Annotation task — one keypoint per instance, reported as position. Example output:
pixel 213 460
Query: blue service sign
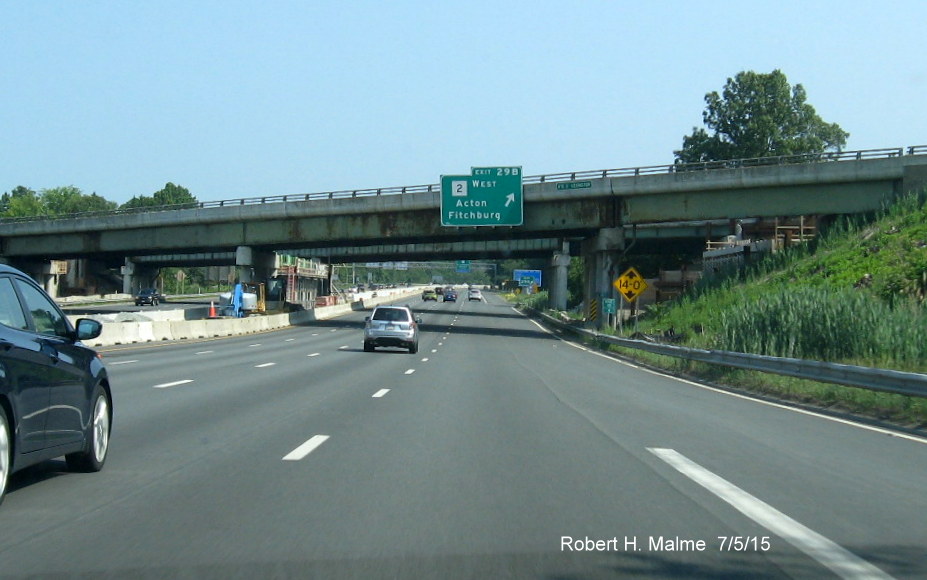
pixel 527 277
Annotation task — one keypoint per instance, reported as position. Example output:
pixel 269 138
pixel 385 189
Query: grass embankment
pixel 855 296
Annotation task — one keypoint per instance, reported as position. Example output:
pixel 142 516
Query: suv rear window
pixel 391 315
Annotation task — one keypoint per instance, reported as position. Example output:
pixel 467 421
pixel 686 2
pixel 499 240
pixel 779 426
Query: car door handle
pixel 51 352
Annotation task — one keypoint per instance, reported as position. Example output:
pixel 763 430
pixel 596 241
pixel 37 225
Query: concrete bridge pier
pixel 560 265
pixel 253 265
pixel 602 254
pixel 44 274
pixel 136 276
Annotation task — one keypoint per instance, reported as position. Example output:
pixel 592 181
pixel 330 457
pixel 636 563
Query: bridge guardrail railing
pixel 885 153
pixel 873 379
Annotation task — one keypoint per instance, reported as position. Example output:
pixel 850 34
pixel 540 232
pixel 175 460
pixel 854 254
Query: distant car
pixel 474 294
pixel 430 294
pixel 148 296
pixel 55 397
pixel 439 290
pixel 391 326
pixel 450 295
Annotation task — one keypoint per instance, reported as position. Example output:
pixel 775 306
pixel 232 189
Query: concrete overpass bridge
pixel 598 213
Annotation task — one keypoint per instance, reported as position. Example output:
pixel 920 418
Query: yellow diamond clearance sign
pixel 630 284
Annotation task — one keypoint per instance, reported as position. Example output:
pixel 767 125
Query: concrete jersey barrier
pixel 137 332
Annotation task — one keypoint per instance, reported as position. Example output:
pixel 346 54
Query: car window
pixel 11 312
pixel 46 317
pixel 391 315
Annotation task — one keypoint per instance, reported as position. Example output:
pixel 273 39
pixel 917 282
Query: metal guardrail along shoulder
pixel 547 178
pixel 889 381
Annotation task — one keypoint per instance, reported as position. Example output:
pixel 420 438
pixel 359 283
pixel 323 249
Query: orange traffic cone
pixel 212 309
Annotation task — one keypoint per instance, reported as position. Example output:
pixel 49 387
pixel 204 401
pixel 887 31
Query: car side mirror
pixel 366 319
pixel 88 328
pixel 418 319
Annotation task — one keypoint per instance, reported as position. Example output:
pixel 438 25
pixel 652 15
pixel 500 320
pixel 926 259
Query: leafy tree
pixel 576 281
pixel 170 194
pixel 759 115
pixel 21 202
pixel 69 200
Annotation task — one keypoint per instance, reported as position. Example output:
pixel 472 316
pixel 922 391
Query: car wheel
pixel 368 347
pixel 414 348
pixel 5 449
pixel 94 456
pixel 154 302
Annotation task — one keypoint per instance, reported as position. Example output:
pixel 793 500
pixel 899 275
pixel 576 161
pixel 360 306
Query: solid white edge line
pixel 306 448
pixel 830 554
pixel 873 428
pixel 380 393
pixel 173 384
pixel 120 362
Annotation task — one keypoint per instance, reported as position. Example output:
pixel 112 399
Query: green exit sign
pixel 489 196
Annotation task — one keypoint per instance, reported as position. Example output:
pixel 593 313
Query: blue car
pixel 55 397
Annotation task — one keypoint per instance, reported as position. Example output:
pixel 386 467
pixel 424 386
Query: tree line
pixel 68 200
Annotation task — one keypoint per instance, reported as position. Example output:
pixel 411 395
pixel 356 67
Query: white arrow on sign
pixel 510 198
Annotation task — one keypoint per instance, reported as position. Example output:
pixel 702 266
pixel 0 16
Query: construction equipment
pixel 259 290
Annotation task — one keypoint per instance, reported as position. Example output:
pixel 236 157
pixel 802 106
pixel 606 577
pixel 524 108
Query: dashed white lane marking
pixel 289 340
pixel 830 554
pixel 380 393
pixel 343 347
pixel 205 352
pixel 306 448
pixel 173 384
pixel 264 365
pixel 410 371
pixel 314 354
pixel 425 359
pixel 434 350
pixel 253 345
pixel 121 362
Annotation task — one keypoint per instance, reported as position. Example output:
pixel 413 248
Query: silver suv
pixel 391 326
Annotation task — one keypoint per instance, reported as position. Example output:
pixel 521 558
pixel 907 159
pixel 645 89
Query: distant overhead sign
pixel 489 196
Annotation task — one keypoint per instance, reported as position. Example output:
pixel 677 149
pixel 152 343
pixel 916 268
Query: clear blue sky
pixel 236 99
